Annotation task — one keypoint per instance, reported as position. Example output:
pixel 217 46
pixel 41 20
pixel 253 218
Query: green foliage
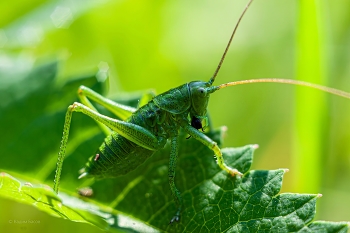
pixel 160 45
pixel 214 201
pixel 141 200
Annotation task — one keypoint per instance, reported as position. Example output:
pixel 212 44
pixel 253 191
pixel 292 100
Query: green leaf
pixel 63 206
pixel 141 200
pixel 213 200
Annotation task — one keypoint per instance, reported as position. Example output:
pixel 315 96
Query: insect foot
pixel 176 218
pixel 221 163
pixel 233 172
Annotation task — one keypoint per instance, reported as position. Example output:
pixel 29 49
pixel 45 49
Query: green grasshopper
pixel 144 130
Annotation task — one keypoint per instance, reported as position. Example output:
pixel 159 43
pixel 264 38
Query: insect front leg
pixel 211 145
pixel 171 174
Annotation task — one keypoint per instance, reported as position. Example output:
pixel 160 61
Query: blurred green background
pixel 163 44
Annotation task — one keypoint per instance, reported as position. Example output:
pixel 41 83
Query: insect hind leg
pixel 62 151
pixel 132 132
pixel 171 174
pixel 120 110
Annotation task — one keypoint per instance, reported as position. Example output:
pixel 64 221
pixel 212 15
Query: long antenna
pixel 212 79
pixel 285 81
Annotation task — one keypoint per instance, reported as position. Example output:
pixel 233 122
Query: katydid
pixel 144 130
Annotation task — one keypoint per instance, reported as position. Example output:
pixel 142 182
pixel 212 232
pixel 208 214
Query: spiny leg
pixel 171 174
pixel 63 146
pixel 84 93
pixel 120 110
pixel 134 133
pixel 213 146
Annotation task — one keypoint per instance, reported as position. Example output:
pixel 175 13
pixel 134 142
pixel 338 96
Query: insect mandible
pixel 144 130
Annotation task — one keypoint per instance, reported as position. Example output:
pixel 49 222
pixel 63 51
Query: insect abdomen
pixel 116 156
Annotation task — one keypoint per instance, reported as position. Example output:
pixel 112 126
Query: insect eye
pixel 202 91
